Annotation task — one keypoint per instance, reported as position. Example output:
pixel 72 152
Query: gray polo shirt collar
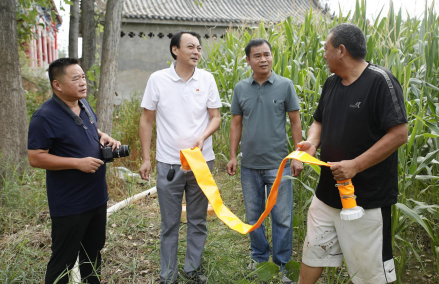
pixel 175 76
pixel 270 79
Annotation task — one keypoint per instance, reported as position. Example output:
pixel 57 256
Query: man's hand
pixel 343 170
pixel 89 164
pixel 231 166
pixel 145 169
pixel 106 140
pixel 214 124
pixel 296 168
pixel 199 142
pixel 307 147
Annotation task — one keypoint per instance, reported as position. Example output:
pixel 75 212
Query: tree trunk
pixel 74 29
pixel 13 117
pixel 88 39
pixel 110 53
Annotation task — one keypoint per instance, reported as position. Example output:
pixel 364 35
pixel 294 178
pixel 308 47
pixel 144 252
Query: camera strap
pixel 83 104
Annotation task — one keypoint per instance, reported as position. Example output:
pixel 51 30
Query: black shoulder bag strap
pixel 76 118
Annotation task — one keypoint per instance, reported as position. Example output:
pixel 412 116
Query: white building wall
pixel 142 54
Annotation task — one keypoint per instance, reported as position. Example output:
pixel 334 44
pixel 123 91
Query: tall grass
pixel 408 48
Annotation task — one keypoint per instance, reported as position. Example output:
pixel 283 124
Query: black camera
pixel 109 155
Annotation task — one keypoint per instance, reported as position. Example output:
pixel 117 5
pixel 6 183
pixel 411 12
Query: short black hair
pixel 58 67
pixel 255 42
pixel 352 37
pixel 175 40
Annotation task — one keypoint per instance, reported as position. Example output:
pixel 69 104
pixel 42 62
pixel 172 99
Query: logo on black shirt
pixel 356 105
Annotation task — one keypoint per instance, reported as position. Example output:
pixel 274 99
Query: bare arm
pixel 296 127
pixel 214 124
pixel 313 141
pixel 145 133
pixel 296 134
pixel 235 137
pixel 383 148
pixel 42 159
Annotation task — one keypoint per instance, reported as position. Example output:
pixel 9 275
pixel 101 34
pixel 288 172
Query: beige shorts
pixel 365 243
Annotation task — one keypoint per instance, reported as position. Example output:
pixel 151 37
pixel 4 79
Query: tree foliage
pixel 28 12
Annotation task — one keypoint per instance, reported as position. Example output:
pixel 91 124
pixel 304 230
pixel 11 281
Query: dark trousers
pixel 82 234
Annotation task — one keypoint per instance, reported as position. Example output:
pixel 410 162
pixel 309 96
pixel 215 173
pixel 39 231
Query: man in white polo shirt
pixel 185 102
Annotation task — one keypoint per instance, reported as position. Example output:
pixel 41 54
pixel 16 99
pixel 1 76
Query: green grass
pixel 132 250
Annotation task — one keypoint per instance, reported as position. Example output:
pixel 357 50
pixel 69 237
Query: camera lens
pixel 123 151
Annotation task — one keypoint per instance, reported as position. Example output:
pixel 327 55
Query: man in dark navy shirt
pixel 64 140
pixel 359 125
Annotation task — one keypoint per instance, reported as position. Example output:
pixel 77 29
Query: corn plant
pixel 409 49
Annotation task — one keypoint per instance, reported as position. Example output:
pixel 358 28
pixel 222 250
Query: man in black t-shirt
pixel 359 124
pixel 64 140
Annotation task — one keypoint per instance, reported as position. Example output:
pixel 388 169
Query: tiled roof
pixel 217 11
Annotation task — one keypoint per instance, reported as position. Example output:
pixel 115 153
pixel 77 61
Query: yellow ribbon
pixel 192 159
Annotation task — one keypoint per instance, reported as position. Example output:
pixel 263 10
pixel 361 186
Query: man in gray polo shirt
pixel 260 104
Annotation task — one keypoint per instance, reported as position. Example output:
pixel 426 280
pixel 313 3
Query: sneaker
pixel 252 265
pixel 286 280
pixel 196 277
